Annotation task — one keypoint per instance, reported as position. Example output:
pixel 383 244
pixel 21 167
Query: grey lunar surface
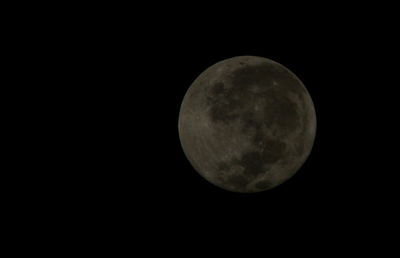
pixel 247 124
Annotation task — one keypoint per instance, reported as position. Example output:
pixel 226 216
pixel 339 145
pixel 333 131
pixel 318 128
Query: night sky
pixel 121 86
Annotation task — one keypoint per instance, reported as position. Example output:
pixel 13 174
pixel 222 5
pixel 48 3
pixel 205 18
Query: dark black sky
pixel 124 76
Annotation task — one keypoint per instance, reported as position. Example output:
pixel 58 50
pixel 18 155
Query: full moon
pixel 247 124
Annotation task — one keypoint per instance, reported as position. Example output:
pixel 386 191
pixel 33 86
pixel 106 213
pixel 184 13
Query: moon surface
pixel 247 124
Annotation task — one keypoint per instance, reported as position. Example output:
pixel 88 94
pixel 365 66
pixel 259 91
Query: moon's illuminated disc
pixel 247 124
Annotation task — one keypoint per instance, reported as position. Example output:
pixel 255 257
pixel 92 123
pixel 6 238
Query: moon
pixel 247 124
